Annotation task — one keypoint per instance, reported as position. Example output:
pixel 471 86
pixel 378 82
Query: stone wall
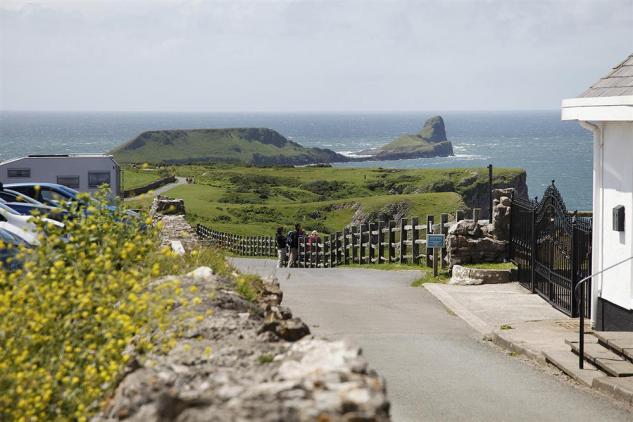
pixel 237 360
pixel 473 242
pixel 150 186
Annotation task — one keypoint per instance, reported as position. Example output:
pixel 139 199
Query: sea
pixel 537 141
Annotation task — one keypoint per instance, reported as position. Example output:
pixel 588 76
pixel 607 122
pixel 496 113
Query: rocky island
pixel 429 142
pixel 266 147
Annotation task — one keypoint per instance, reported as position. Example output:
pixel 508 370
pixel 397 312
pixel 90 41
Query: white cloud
pixel 306 55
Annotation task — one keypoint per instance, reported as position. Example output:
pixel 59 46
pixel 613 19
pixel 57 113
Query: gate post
pixel 429 229
pixel 444 231
pixel 415 247
pixel 511 228
pixel 533 247
pixel 574 268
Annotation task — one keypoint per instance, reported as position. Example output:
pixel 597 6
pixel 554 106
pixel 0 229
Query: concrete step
pixel 567 362
pixel 603 358
pixel 621 342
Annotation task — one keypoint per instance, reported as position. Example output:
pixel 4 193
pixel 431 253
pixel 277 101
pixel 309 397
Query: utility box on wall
pixel 618 218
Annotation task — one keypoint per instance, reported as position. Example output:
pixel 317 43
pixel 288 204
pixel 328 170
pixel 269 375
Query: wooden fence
pixel 379 242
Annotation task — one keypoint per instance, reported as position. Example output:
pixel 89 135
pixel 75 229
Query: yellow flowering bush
pixel 80 306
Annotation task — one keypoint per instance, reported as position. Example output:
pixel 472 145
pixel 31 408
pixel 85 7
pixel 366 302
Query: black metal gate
pixel 552 249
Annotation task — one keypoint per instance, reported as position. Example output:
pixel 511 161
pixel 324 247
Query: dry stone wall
pixel 474 242
pixel 238 360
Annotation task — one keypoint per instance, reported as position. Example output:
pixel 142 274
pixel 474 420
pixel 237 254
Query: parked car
pixel 9 248
pixel 28 206
pixel 28 229
pixel 55 195
pixel 49 194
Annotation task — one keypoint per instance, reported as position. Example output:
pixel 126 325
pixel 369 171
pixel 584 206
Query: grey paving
pixel 436 366
pixel 179 181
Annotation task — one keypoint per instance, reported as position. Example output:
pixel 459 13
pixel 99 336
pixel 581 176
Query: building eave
pixel 618 108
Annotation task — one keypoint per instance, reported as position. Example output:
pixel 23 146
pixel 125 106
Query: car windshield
pixel 71 193
pixel 9 210
pixel 20 197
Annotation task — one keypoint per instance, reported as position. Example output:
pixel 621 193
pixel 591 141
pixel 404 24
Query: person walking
pixel 281 247
pixel 293 243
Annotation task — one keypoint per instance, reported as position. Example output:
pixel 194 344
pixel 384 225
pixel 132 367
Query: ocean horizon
pixel 537 141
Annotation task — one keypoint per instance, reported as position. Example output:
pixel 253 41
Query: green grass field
pixel 134 178
pixel 255 200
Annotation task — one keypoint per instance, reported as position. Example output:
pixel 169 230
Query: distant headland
pixel 264 147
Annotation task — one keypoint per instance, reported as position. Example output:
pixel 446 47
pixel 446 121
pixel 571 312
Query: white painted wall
pixel 47 169
pixel 613 185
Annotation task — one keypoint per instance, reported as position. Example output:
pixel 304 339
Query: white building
pixel 607 110
pixel 82 172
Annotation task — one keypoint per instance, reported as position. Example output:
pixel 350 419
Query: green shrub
pixel 71 317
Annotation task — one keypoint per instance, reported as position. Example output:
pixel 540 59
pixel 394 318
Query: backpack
pixel 291 239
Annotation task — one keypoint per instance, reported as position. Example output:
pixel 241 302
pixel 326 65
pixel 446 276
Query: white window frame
pixel 92 173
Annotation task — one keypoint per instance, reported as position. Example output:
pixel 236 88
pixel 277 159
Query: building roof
pixel 619 82
pixel 48 156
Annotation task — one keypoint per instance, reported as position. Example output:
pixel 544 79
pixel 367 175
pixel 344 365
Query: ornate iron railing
pixel 552 249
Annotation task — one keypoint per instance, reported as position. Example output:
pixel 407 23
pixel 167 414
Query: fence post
pixel 429 230
pixel 327 251
pixel 352 246
pixel 361 251
pixel 444 231
pixel 476 214
pixel 345 244
pixel 304 253
pixel 391 239
pixel 459 215
pixel 403 236
pixel 317 250
pixel 370 243
pixel 338 254
pixel 381 243
pixel 415 247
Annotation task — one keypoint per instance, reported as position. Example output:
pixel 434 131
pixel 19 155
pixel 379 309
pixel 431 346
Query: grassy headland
pixel 257 146
pixel 254 200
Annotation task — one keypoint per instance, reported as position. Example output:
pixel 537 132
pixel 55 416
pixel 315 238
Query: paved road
pixel 179 181
pixel 437 369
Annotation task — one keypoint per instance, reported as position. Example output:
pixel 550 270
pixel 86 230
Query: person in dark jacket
pixel 280 239
pixel 293 244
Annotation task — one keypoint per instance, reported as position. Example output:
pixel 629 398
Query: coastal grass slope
pixel 253 201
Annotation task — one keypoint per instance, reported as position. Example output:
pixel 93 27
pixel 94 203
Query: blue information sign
pixel 435 240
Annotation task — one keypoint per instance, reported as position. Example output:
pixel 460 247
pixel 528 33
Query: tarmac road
pixel 437 368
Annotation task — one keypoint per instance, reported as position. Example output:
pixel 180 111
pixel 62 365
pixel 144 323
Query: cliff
pixel 256 146
pixel 474 189
pixel 431 141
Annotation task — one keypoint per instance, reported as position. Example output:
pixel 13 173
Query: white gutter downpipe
pixel 598 136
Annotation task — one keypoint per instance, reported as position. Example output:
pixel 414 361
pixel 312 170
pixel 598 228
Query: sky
pixel 306 56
